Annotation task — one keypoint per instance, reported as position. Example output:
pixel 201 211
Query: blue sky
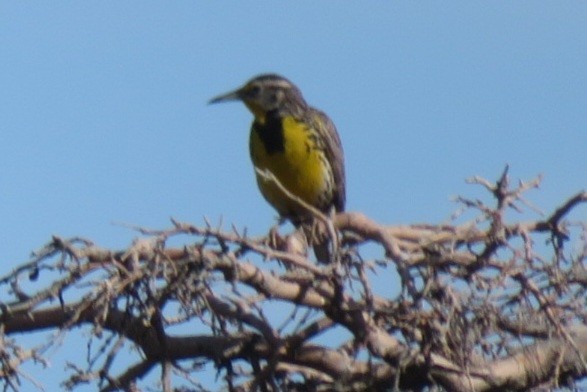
pixel 103 111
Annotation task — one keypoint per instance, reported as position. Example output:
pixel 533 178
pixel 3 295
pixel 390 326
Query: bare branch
pixel 481 306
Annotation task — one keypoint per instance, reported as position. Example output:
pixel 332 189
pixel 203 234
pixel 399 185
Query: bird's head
pixel 265 93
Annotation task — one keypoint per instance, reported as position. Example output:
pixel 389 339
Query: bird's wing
pixel 334 155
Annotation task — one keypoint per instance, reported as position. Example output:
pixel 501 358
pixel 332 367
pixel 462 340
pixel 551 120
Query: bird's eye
pixel 253 91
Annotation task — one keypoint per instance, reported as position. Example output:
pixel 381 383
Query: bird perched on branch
pixel 294 147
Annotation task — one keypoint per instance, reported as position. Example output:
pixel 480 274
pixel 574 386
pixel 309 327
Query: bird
pixel 297 144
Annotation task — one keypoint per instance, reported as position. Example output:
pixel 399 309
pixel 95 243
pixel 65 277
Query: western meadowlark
pixel 296 143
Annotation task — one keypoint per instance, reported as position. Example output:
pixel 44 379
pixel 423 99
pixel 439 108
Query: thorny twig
pixel 470 296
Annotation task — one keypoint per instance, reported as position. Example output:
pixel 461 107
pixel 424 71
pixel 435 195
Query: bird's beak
pixel 231 96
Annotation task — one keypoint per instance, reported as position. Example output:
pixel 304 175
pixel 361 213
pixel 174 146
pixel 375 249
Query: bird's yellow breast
pixel 294 160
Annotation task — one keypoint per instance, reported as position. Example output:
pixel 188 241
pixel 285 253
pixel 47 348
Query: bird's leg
pixel 274 240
